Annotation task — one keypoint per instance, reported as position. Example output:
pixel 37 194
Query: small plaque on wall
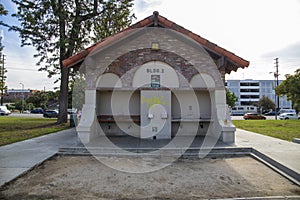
pixel 155 81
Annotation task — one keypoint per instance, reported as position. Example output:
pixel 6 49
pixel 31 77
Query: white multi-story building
pixel 251 91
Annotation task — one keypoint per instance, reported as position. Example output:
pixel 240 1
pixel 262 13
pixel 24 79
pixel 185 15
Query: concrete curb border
pixel 264 198
pixel 221 152
pixel 276 166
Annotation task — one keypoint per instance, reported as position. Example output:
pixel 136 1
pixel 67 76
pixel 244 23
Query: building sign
pixel 155 70
pixel 155 81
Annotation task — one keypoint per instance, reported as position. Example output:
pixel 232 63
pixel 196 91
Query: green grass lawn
pixel 14 129
pixel 282 129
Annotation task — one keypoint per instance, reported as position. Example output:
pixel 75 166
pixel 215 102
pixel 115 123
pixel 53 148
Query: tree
pixel 2 69
pixel 231 98
pixel 2 12
pixel 59 28
pixel 43 99
pixel 3 88
pixel 266 104
pixel 291 88
pixel 38 99
pixel 18 105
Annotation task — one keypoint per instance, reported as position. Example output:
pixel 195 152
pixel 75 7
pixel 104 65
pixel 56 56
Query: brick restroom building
pixel 155 80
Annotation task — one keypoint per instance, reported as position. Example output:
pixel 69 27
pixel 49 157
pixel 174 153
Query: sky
pixel 257 30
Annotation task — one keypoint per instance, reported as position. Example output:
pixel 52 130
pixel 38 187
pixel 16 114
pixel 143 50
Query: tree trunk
pixel 63 96
pixel 64 71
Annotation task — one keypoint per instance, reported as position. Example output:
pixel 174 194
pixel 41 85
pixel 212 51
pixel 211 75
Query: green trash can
pixel 73 120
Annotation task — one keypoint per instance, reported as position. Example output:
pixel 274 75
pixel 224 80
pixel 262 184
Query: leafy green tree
pixel 2 12
pixel 3 87
pixel 38 99
pixel 291 88
pixel 2 69
pixel 59 28
pixel 11 107
pixel 231 98
pixel 52 96
pixel 41 99
pixel 266 104
pixel 28 106
pixel 18 105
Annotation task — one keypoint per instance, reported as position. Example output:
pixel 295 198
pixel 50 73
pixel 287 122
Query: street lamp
pixel 22 97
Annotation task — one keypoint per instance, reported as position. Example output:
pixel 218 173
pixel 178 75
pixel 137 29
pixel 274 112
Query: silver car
pixel 288 116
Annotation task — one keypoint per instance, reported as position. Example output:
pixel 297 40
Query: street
pixel 241 117
pixel 25 115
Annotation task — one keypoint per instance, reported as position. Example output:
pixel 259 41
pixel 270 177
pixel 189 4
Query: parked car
pixel 281 111
pixel 37 111
pixel 253 116
pixel 288 116
pixel 4 110
pixel 50 113
pixel 271 113
pixel 72 110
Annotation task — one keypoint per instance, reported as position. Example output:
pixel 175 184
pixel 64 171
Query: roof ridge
pixel 156 20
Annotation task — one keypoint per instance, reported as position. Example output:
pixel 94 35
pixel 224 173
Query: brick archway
pixel 139 57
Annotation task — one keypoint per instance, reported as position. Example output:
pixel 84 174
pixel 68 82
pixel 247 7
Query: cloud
pixel 261 66
pixel 289 58
pixel 146 5
pixel 291 51
pixel 141 5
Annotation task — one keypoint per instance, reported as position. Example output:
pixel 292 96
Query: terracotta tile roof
pixel 235 61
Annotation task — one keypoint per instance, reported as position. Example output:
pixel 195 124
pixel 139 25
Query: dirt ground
pixel 84 177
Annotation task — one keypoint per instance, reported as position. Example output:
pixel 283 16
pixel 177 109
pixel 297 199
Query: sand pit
pixel 84 177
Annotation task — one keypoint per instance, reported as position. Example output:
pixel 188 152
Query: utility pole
pixel 276 74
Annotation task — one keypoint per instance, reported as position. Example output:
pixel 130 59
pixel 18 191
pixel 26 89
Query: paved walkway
pixel 284 152
pixel 19 157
